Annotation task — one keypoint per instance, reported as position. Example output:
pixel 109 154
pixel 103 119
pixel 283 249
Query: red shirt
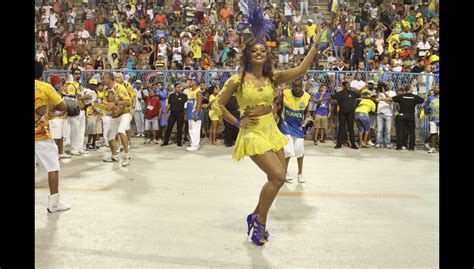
pixel 209 46
pixel 160 19
pixel 348 42
pixel 142 24
pixel 152 106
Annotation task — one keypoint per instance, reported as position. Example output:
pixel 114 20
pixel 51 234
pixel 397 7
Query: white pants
pixel 139 119
pixel 194 132
pixel 284 58
pixel 295 147
pixel 57 128
pixel 46 154
pixel 67 131
pixel 118 125
pixel 78 131
pixel 105 128
pixel 434 129
pixel 304 6
pixel 299 51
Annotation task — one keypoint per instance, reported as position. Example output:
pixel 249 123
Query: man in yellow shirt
pixel 310 30
pixel 119 79
pixel 117 101
pixel 362 117
pixel 46 151
pixel 77 120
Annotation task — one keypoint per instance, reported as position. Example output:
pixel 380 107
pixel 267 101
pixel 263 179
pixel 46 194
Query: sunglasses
pixel 77 73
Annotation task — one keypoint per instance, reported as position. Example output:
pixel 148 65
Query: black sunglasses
pixel 77 73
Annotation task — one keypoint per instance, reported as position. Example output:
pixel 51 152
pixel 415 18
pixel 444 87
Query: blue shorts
pixel 363 122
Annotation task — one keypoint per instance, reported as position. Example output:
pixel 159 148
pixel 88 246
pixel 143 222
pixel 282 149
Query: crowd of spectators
pixel 398 36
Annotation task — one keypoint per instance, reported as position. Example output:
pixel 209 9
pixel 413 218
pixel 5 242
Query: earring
pixel 249 68
pixel 266 68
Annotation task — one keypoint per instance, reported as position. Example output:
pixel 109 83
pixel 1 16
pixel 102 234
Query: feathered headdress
pixel 258 25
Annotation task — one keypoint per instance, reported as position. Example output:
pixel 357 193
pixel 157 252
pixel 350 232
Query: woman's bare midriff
pixel 259 110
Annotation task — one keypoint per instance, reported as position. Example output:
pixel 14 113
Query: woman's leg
pixel 273 165
pixel 214 126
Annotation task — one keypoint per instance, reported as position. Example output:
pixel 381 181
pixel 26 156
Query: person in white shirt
pixel 71 20
pixel 384 116
pixel 357 83
pixel 53 19
pixel 423 46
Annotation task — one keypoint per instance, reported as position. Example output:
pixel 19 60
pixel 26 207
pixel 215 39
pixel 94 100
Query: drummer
pixel 93 117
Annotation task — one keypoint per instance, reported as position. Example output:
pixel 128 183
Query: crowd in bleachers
pixel 398 36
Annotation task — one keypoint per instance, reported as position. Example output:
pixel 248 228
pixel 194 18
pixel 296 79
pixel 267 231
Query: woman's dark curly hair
pixel 245 60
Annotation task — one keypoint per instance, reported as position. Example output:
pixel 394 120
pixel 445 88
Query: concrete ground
pixel 176 209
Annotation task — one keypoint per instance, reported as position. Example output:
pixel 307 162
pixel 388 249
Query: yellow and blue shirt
pixel 191 104
pixel 292 113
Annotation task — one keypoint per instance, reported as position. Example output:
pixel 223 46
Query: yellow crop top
pixel 249 95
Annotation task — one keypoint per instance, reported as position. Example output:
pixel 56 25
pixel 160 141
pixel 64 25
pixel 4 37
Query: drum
pixel 91 93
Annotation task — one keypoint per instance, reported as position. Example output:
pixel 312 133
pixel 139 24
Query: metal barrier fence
pixel 421 83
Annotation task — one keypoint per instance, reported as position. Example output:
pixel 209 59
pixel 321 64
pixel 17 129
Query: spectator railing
pixel 421 83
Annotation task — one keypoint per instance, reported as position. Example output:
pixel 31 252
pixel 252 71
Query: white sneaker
pixel 287 178
pixel 75 153
pixel 370 143
pixel 389 146
pixel 81 151
pixel 300 178
pixel 427 146
pixel 111 159
pixel 432 150
pixel 147 141
pixel 377 146
pixel 404 148
pixel 64 156
pixel 54 205
pixel 192 148
pixel 156 141
pixel 126 159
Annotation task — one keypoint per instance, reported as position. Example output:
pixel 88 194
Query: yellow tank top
pixel 250 96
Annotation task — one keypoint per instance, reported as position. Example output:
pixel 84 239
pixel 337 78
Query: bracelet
pixel 316 46
pixel 237 123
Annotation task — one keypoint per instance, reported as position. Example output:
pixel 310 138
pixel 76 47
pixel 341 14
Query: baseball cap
pixel 371 81
pixel 138 81
pixel 93 82
pixel 310 20
pixel 418 15
pixel 55 80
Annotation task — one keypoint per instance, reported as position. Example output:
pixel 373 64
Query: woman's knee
pixel 278 178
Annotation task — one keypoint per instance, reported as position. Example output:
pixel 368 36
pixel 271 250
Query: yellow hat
pixel 93 82
pixel 418 15
pixel 434 58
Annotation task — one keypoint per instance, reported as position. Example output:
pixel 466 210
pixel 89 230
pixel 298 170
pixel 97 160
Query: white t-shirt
pixel 357 84
pixel 287 9
pixel 84 34
pixel 386 108
pixel 52 20
pixel 422 47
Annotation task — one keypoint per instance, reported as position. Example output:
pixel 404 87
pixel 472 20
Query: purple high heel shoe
pixel 258 231
pixel 250 219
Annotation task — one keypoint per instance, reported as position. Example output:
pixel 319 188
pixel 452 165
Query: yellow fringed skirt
pixel 260 138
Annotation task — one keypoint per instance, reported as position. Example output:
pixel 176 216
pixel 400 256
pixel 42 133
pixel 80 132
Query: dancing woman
pixel 259 136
